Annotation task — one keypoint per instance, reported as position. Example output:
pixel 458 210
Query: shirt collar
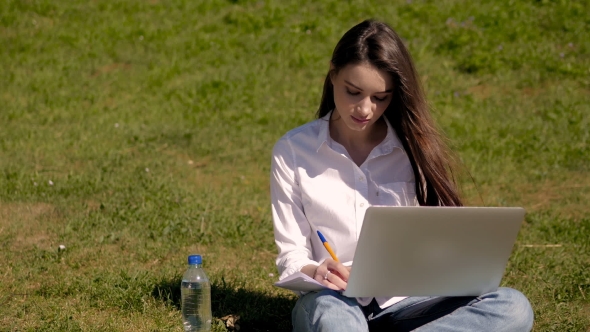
pixel 390 142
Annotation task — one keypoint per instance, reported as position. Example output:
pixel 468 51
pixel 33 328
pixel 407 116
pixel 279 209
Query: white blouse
pixel 315 185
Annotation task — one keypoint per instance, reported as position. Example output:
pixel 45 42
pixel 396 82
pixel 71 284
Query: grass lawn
pixel 137 132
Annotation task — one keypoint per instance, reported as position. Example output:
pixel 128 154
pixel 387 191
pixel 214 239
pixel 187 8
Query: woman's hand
pixel 330 273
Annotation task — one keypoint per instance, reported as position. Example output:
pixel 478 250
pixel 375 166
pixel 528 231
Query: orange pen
pixel 327 245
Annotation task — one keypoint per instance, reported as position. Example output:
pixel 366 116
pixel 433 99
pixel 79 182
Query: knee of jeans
pixel 328 298
pixel 322 307
pixel 518 308
pixel 312 301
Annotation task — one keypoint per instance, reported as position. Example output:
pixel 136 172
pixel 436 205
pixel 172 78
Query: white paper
pixel 300 281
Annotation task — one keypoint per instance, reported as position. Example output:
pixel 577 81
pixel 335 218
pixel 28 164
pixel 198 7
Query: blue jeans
pixel 503 310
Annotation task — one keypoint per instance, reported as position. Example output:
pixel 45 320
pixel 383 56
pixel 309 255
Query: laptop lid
pixel 433 251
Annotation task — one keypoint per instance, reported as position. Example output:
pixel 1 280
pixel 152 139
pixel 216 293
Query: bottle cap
pixel 194 259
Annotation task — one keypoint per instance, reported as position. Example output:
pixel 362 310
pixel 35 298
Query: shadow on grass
pixel 258 311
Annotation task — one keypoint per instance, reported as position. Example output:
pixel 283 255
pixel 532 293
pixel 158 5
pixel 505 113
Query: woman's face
pixel 361 94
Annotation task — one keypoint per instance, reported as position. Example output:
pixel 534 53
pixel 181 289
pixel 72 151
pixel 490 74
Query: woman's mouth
pixel 359 121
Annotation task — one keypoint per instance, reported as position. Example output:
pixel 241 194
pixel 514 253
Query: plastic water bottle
pixel 195 291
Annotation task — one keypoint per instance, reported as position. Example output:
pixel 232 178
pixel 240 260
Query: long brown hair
pixel 376 43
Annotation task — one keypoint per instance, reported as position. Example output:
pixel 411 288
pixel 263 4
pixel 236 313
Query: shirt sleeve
pixel 291 227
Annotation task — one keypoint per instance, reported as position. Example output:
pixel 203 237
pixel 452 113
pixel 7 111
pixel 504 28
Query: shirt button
pixel 362 204
pixel 361 179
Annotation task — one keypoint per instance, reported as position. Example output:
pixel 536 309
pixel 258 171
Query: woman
pixel 374 143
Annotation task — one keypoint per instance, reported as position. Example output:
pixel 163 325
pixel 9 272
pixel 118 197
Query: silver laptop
pixel 433 251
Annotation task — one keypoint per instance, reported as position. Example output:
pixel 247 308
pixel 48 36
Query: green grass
pixel 154 122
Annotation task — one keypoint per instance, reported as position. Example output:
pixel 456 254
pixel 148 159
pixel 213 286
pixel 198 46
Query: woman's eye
pixel 381 99
pixel 352 93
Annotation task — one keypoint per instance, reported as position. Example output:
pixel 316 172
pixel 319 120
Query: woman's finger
pixel 335 280
pixel 332 274
pixel 337 268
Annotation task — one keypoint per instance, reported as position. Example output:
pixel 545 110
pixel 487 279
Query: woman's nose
pixel 366 106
